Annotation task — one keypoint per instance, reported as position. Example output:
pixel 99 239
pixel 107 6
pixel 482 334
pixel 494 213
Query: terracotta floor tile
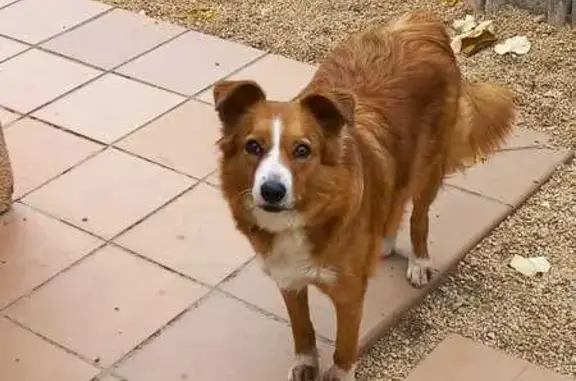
pixel 255 287
pixel 34 248
pixel 108 108
pixel 27 21
pixel 34 162
pixel 194 235
pixel 388 294
pixel 7 117
pixel 9 47
pixel 106 305
pixel 295 75
pixel 21 90
pixel 184 139
pixel 536 373
pixel 510 176
pixel 458 358
pixel 113 39
pixel 26 357
pixel 109 192
pixel 255 347
pixel 170 65
pixel 524 138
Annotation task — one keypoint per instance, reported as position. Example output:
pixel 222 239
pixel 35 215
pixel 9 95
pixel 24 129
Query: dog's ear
pixel 332 110
pixel 234 98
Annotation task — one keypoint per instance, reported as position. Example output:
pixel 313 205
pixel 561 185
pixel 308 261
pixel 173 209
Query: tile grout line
pixel 74 27
pixel 102 74
pixel 105 241
pixel 144 342
pixel 159 264
pixel 210 290
pixel 92 362
pixel 187 98
pixel 51 179
pixel 527 148
pixel 105 72
pixel 38 46
pixel 478 194
pixel 63 270
pixel 27 49
pixel 197 304
pixel 536 184
pixel 9 4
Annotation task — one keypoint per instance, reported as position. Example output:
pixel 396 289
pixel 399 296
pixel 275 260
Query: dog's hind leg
pixel 419 270
pixel 393 223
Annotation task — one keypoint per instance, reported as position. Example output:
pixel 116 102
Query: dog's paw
pixel 419 272
pixel 336 373
pixel 304 368
pixel 388 246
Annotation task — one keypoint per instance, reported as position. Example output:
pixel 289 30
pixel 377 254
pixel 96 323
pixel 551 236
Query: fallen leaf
pixel 464 25
pixel 530 266
pixel 472 45
pixel 451 2
pixel 471 36
pixel 518 45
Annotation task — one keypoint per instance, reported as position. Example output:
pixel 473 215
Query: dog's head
pixel 277 156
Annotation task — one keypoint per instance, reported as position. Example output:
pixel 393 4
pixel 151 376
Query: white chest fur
pixel 290 263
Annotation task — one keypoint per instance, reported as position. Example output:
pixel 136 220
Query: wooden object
pixel 6 176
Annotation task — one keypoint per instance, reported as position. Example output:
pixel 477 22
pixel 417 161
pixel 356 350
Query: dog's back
pixel 412 100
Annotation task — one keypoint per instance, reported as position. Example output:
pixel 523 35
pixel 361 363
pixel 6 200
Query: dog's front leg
pixel 348 305
pixel 305 366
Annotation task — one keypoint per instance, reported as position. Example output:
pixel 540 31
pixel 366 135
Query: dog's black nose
pixel 273 191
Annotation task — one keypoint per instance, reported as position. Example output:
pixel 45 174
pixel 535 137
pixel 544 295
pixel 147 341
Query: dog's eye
pixel 302 151
pixel 253 148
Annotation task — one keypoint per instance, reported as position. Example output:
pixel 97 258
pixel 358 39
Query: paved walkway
pixel 461 359
pixel 119 259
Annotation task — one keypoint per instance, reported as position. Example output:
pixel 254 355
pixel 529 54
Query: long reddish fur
pixel 415 120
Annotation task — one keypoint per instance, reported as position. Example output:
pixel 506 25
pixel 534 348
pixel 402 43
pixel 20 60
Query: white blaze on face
pixel 272 168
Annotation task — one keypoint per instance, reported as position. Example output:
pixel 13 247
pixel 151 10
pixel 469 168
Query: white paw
pixel 335 373
pixel 304 368
pixel 388 245
pixel 419 272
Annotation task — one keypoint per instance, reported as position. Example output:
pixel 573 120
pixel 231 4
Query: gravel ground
pixel 484 299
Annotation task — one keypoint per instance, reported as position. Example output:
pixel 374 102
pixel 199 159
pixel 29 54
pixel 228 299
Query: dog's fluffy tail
pixel 485 118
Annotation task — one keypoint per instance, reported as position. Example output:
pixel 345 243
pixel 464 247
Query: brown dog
pixel 319 184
